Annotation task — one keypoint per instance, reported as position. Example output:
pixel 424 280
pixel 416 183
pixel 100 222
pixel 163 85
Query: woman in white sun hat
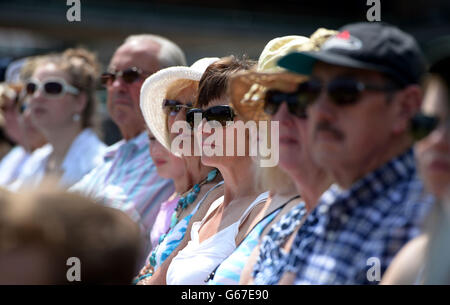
pixel 165 97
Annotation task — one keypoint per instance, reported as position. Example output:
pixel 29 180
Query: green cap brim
pixel 298 62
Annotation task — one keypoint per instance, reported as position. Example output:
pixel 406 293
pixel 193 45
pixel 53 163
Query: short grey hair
pixel 170 53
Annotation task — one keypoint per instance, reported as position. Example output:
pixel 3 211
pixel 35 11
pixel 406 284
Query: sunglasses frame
pixel 65 87
pixel 106 77
pixel 208 116
pixel 359 87
pixel 295 108
pixel 175 107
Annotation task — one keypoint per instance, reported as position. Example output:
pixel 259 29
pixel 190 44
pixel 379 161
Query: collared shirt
pixel 11 165
pixel 352 235
pixel 84 154
pixel 128 180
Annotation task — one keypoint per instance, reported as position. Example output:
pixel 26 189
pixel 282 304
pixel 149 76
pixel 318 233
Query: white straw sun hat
pixel 154 90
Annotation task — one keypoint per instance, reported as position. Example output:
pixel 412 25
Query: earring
pixel 76 117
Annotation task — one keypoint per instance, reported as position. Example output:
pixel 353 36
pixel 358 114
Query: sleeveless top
pixel 230 270
pixel 176 235
pixel 195 262
pixel 272 258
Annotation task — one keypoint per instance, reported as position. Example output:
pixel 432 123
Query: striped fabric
pixel 229 271
pixel 128 180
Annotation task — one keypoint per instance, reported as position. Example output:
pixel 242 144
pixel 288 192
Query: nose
pixel 322 108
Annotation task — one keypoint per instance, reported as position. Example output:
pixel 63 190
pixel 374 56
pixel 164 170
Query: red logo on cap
pixel 344 35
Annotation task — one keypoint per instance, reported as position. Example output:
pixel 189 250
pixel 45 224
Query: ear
pixel 406 104
pixel 80 102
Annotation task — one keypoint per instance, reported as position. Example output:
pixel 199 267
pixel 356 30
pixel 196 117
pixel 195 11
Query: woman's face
pixel 49 112
pixel 433 152
pixel 185 97
pixel 167 164
pixel 222 145
pixel 294 151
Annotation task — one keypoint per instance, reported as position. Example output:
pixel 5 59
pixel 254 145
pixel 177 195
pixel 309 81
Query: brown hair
pixel 83 69
pixel 214 82
pixel 62 225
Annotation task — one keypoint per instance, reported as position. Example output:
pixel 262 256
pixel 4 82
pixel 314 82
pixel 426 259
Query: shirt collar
pixel 139 142
pixel 378 182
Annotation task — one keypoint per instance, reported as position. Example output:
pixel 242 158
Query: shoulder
pixel 407 264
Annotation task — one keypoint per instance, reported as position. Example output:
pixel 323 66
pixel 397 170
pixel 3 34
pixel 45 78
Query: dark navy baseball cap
pixel 375 46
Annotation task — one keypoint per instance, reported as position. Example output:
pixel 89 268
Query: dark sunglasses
pixel 422 125
pixel 274 98
pixel 220 113
pixel 129 75
pixel 341 91
pixel 172 107
pixel 52 87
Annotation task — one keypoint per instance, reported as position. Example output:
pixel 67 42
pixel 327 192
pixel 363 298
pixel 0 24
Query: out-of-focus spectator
pixel 40 231
pixel 30 137
pixel 363 90
pixel 60 95
pixel 424 260
pixel 128 179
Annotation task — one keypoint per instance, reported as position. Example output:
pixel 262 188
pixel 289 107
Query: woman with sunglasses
pixel 214 236
pixel 165 97
pixel 270 94
pixel 62 102
pixel 424 260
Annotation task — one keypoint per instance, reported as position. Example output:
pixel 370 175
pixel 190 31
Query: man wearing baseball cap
pixel 362 92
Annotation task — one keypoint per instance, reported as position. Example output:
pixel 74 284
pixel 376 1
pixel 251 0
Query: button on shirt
pixel 352 235
pixel 128 180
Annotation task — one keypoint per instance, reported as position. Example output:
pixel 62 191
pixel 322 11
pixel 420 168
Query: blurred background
pixel 201 27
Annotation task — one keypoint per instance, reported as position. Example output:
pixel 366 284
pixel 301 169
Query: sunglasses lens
pixel 272 101
pixel 53 88
pixel 31 88
pixel 344 92
pixel 130 75
pixel 422 125
pixel 221 114
pixel 190 116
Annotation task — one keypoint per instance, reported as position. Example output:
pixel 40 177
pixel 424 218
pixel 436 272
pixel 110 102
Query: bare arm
pixel 407 264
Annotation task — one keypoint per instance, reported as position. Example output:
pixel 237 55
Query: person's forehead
pixel 216 102
pixel 327 71
pixel 140 54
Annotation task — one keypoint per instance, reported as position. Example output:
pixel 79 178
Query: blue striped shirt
pixel 128 180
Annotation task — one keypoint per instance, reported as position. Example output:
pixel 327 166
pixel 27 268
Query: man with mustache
pixel 363 90
pixel 128 179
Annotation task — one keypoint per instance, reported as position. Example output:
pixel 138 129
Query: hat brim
pixel 153 92
pixel 303 62
pixel 247 91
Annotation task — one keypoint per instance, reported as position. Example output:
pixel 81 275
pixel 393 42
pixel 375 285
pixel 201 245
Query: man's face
pixel 353 134
pixel 123 98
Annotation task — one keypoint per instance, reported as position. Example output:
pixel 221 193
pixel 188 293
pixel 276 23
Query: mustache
pixel 326 126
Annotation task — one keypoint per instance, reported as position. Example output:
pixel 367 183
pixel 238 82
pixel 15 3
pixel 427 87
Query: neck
pixel 312 185
pixel 346 175
pixel 61 139
pixel 236 178
pixel 129 132
pixel 195 173
pixel 35 144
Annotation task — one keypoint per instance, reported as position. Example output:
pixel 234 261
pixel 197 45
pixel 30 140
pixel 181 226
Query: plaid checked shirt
pixel 372 219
